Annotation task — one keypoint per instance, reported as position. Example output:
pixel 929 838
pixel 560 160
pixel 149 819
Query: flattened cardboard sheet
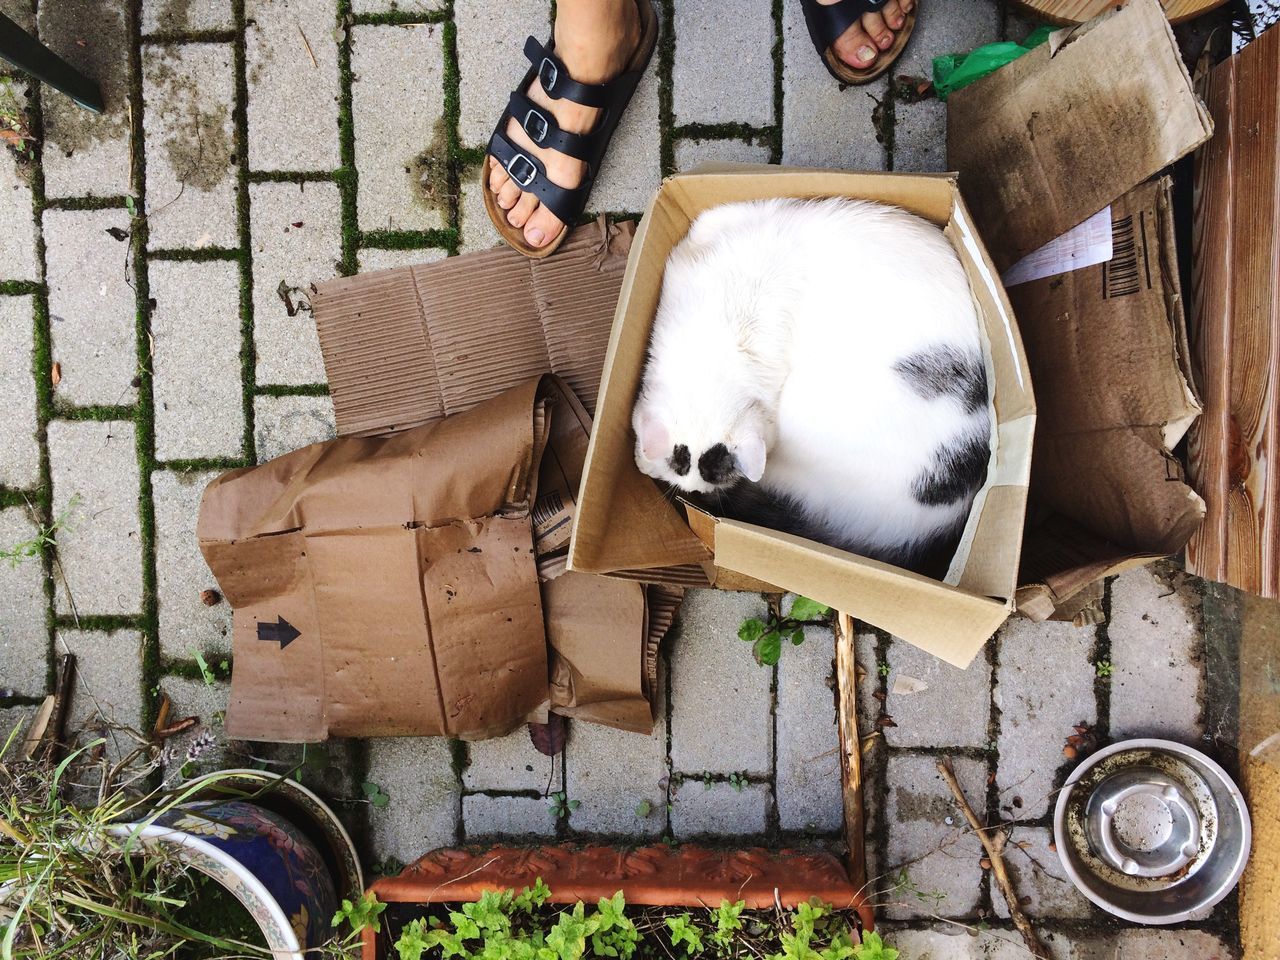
pixel 1050 139
pixel 1108 352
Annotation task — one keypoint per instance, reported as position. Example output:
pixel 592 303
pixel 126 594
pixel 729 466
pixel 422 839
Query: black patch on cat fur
pixel 958 469
pixel 679 460
pixel 717 465
pixel 944 372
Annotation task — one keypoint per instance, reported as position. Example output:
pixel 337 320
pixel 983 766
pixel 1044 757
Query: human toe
pixel 877 30
pixel 855 48
pixel 497 175
pixel 542 227
pixel 508 196
pixel 518 215
pixel 894 14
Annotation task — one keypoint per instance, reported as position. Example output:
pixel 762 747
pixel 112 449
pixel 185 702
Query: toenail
pixel 896 22
pixel 536 237
pixel 865 53
pixel 885 39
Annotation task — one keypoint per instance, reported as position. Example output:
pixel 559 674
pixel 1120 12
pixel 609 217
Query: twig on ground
pixel 993 842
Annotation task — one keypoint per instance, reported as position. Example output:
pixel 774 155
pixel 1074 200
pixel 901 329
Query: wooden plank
pixel 850 752
pixel 1209 440
pixel 1067 12
pixel 1253 347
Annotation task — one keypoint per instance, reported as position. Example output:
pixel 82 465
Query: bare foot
pixel 861 44
pixel 595 39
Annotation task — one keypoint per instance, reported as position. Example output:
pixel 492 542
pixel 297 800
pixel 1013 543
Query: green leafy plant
pixel 873 947
pixel 766 636
pixel 374 794
pixel 1103 668
pixel 561 806
pixel 44 537
pixel 738 781
pixel 683 932
pixel 206 671
pixel 728 921
pixel 15 131
pixel 643 809
pixel 362 914
pixel 883 669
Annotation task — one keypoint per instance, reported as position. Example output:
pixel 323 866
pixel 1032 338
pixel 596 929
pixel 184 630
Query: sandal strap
pixel 554 77
pixel 828 21
pixel 528 173
pixel 541 127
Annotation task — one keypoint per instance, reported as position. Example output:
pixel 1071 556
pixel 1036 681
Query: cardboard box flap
pixel 412 345
pixel 903 603
pixel 1107 345
pixel 1050 139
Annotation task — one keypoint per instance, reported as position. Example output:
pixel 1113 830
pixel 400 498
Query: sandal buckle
pixel 548 74
pixel 536 126
pixel 527 172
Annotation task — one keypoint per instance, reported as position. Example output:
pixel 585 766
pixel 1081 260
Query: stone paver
pixel 1161 944
pixel 422 813
pixel 24 642
pixel 720 709
pixel 723 69
pixel 690 153
pixel 108 679
pixel 18 238
pixel 19 449
pixel 510 763
pixel 187 624
pixel 208 703
pixel 476 229
pixel 719 809
pixel 95 488
pixel 188 93
pixel 808 766
pixel 613 772
pixel 195 334
pixel 941 858
pixel 484 816
pixel 181 16
pixel 87 154
pixel 632 169
pixel 952 711
pixel 296 242
pixel 281 424
pixel 489 63
pixel 92 307
pixel 398 6
pixel 1156 656
pixel 398 100
pixel 822 125
pixel 1037 874
pixel 920 129
pixel 293 84
pixel 372 259
pixel 1039 708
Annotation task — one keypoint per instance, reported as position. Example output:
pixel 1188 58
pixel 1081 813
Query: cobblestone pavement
pixel 251 147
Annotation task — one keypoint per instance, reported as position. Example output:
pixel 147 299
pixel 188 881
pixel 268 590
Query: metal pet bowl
pixel 1152 831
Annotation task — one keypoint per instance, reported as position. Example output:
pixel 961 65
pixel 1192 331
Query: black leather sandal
pixel 525 170
pixel 827 22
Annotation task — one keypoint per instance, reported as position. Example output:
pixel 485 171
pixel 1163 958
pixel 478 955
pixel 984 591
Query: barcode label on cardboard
pixel 1125 273
pixel 552 520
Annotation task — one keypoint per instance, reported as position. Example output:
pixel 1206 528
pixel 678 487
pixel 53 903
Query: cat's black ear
pixel 749 453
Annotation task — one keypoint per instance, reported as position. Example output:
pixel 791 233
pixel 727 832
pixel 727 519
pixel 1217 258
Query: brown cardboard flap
pixel 1053 137
pixel 405 565
pixel 409 346
pixel 1107 348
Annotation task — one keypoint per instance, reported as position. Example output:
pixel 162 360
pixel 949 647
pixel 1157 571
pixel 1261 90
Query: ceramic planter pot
pixel 659 875
pixel 273 845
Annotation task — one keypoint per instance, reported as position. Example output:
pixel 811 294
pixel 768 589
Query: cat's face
pixel 697 452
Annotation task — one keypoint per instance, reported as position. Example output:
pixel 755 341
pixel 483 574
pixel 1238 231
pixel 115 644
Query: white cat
pixel 815 366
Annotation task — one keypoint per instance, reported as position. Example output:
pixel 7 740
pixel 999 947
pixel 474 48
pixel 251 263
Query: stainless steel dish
pixel 1152 831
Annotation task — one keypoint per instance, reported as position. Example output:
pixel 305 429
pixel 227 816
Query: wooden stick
pixel 994 845
pixel 850 750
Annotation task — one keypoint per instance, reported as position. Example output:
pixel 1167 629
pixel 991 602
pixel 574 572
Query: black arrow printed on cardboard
pixel 281 631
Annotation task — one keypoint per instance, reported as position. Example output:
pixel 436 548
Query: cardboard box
pixel 625 526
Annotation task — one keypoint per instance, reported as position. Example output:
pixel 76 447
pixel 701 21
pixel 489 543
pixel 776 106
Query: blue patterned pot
pixel 267 862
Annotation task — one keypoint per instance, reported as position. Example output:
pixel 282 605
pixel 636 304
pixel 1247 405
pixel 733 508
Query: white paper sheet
pixel 1081 246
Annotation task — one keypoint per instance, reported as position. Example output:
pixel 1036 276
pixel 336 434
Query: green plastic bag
pixel 955 70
